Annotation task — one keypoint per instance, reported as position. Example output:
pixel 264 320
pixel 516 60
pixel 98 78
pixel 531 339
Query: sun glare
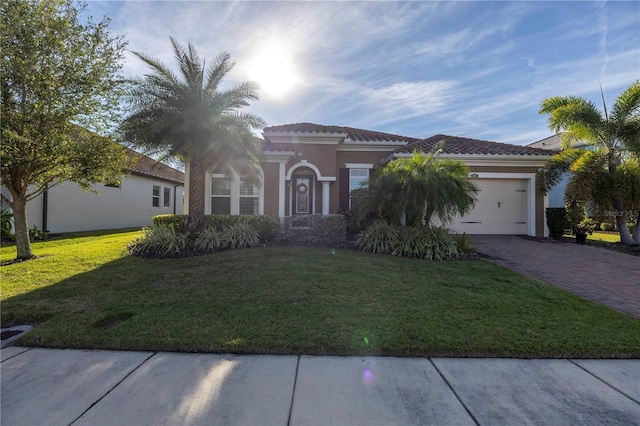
pixel 275 72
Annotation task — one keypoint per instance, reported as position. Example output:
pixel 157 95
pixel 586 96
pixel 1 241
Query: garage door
pixel 501 208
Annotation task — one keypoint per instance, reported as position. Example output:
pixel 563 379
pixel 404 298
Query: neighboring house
pixel 554 144
pixel 149 189
pixel 308 168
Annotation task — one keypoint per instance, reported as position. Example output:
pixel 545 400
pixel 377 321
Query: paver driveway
pixel 598 274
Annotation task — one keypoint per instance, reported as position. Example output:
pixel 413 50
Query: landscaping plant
pixel 209 240
pixel 6 219
pixel 379 237
pixel 433 243
pixel 61 94
pixel 240 235
pixel 159 241
pixel 607 175
pixel 191 115
pixel 556 221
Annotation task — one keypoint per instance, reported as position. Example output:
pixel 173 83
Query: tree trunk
pixel 618 204
pixel 23 244
pixel 636 232
pixel 197 172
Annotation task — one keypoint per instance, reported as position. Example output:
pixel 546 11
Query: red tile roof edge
pixel 469 146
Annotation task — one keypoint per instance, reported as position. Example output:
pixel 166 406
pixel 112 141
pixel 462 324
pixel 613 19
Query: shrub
pixel 6 219
pixel 576 213
pixel 159 241
pixel 379 237
pixel 591 224
pixel 36 234
pixel 240 235
pixel 173 221
pixel 267 226
pixel 556 221
pixel 329 230
pixel 604 226
pixel 464 243
pixel 433 243
pixel 208 240
pixel 443 245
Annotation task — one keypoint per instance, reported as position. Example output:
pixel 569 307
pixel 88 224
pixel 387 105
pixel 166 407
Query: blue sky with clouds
pixel 473 69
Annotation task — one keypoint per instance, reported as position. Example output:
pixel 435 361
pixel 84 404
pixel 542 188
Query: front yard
pixel 86 292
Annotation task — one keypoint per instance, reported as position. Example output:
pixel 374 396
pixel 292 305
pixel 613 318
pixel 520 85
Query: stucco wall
pixel 271 173
pixel 72 210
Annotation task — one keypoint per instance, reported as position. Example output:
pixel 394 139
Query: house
pixel 554 144
pixel 149 189
pixel 310 169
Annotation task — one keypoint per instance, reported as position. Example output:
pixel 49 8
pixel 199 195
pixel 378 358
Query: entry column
pixel 325 197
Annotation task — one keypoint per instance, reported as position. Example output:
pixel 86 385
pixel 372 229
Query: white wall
pixel 72 210
pixel 556 194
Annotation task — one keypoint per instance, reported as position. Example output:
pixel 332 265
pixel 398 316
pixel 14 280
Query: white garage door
pixel 501 208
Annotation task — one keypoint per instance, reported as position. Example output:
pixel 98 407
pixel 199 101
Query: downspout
pixel 175 197
pixel 45 209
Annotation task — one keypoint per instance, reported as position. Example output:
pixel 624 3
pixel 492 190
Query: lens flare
pixel 367 376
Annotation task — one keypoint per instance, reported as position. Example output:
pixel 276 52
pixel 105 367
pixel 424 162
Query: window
pixel 156 196
pixel 221 195
pixel 167 197
pixel 357 179
pixel 249 196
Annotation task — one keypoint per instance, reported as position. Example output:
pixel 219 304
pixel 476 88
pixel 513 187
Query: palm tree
pixel 415 190
pixel 189 117
pixel 607 176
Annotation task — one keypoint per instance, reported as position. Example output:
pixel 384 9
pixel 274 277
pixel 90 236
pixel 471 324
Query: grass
pixel 606 240
pixel 599 236
pixel 84 291
pixel 603 236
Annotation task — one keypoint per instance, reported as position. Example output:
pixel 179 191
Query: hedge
pixel 267 226
pixel 329 230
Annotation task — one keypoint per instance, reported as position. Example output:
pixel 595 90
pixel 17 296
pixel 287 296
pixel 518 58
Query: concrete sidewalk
pixel 64 387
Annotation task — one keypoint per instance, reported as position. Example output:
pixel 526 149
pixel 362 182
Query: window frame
pixel 236 181
pixel 221 196
pixel 155 197
pixel 166 197
pixel 351 180
pixel 254 196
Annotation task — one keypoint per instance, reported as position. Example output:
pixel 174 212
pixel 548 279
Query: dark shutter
pixel 343 182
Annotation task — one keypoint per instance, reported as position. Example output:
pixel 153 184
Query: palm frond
pixel 218 69
pixel 557 167
pixel 627 104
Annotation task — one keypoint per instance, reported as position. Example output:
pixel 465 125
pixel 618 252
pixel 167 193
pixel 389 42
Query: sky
pixel 473 69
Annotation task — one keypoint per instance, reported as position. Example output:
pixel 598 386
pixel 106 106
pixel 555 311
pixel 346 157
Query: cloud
pixel 416 68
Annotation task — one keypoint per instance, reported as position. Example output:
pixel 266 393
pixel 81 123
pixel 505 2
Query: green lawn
pixel 601 236
pixel 86 292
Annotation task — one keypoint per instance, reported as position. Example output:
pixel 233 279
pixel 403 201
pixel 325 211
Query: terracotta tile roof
pixel 459 145
pixel 147 166
pixel 268 146
pixel 353 134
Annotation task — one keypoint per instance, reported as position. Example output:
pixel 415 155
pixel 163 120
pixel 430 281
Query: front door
pixel 302 194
